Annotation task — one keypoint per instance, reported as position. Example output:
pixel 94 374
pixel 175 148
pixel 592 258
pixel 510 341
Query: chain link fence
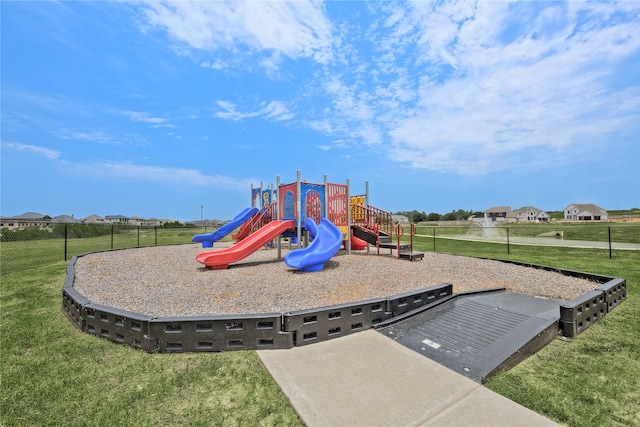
pixel 33 247
pixel 499 240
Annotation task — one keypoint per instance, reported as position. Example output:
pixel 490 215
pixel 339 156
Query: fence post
pixel 138 236
pixel 508 243
pixel 112 225
pixel 65 241
pixel 610 253
pixel 434 239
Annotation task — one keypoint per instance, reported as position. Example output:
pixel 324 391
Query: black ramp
pixel 480 335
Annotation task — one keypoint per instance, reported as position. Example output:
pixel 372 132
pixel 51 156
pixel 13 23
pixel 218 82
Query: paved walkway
pixel 367 379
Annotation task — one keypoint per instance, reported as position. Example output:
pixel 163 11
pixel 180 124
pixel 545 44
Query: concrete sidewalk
pixel 367 379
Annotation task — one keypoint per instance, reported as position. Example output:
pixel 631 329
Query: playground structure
pixel 475 333
pixel 326 213
pixel 499 328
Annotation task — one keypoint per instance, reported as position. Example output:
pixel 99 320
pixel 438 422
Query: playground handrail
pixel 259 220
pixel 372 218
pixel 263 217
pixel 400 233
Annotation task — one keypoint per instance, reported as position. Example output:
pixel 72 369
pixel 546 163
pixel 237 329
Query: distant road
pixel 542 241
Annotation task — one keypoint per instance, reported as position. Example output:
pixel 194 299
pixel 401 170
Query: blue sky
pixel 155 109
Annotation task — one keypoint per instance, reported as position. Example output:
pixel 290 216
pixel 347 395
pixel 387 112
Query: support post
pixel 65 241
pixel 299 204
pixel 348 218
pixel 277 213
pixel 366 197
pixel 325 212
pixel 434 239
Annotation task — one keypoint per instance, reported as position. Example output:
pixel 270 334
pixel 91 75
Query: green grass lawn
pixel 52 374
pixel 594 379
pixel 618 232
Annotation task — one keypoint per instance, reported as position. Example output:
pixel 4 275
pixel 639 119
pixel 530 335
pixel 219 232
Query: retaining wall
pixel 299 328
pixel 236 332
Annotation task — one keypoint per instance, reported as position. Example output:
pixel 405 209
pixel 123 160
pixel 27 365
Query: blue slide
pixel 327 239
pixel 208 239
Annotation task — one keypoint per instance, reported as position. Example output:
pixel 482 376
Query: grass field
pixel 618 232
pixel 52 374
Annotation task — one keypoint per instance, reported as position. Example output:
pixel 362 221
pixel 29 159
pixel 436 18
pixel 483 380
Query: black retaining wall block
pixel 580 313
pixel 409 301
pixel 119 326
pixel 72 303
pixel 615 291
pixel 282 331
pixel 220 333
pixel 324 323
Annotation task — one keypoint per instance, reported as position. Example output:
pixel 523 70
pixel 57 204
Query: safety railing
pixel 400 233
pixel 259 220
pixel 372 219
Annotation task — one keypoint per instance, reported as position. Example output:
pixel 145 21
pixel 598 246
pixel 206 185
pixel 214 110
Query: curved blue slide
pixel 208 239
pixel 327 239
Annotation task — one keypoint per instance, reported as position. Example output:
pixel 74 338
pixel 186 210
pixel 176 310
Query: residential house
pixel 153 222
pixel 584 212
pixel 26 220
pixel 530 214
pixel 136 220
pixel 94 219
pixel 499 214
pixel 116 219
pixel 65 219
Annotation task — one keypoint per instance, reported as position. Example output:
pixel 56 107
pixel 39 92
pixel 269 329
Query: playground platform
pixel 367 379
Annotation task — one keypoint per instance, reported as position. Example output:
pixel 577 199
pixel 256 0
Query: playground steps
pixel 412 255
pixel 385 241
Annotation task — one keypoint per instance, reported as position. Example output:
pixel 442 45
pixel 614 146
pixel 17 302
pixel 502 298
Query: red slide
pixel 219 260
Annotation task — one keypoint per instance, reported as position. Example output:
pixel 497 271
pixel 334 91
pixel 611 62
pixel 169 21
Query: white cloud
pixel 101 137
pixel 138 116
pixel 274 111
pixel 41 151
pixel 463 87
pixel 95 136
pixel 513 97
pixel 296 29
pixel 164 175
